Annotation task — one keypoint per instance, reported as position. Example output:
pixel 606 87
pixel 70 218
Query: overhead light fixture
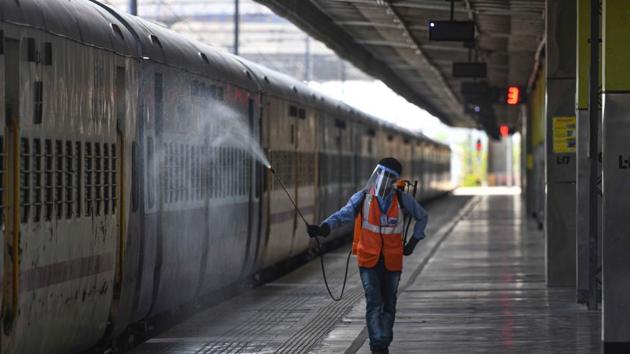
pixel 472 70
pixel 452 31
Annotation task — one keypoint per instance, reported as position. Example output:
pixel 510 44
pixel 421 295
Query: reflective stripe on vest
pixel 380 234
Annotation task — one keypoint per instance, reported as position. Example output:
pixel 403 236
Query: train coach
pixel 128 185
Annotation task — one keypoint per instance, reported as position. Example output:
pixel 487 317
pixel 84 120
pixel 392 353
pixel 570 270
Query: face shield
pixel 381 183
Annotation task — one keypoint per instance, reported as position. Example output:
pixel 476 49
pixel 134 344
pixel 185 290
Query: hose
pixel 319 246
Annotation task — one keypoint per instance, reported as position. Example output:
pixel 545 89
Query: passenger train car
pixel 125 188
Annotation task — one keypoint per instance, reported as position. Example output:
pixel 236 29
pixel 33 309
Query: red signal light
pixel 513 95
pixel 478 145
pixel 504 130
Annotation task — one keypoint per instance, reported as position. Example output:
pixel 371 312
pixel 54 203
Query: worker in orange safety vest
pixel 378 212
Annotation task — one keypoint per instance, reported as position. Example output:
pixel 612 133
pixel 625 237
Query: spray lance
pixel 319 246
pixel 412 188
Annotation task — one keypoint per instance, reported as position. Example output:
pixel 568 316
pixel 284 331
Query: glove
pixel 321 230
pixel 411 244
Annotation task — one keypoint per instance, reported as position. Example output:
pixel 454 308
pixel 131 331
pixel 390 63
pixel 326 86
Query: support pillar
pixel 560 143
pixel 616 176
pixel 587 256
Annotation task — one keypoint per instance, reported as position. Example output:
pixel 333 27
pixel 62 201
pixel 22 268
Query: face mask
pixel 381 183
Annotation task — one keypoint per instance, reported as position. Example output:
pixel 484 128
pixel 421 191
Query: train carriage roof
pixel 96 24
pixel 80 21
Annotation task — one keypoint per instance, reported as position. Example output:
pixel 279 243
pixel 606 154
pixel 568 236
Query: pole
pixel 307 59
pixel 593 155
pixel 133 7
pixel 237 21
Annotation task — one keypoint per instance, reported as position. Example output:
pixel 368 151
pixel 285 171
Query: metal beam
pixel 319 25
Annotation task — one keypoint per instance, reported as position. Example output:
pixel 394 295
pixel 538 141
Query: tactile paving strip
pixel 321 323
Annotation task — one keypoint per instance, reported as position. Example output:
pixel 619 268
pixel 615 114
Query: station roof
pixel 389 40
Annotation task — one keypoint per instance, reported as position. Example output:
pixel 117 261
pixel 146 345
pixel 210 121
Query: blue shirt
pixel 410 207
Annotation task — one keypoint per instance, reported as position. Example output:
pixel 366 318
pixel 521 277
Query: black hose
pixel 319 246
pixel 345 277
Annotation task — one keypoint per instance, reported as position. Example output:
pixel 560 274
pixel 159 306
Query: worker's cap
pixel 392 164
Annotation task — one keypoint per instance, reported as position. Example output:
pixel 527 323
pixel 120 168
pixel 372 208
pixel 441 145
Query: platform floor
pixel 475 285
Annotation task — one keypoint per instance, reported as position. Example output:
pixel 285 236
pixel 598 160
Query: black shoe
pixel 378 350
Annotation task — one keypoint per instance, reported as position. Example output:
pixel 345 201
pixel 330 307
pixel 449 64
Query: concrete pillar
pixel 559 145
pixel 616 176
pixel 585 256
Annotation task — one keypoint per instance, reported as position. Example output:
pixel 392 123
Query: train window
pixel 159 101
pixel 37 179
pixel 59 183
pixel 98 98
pixel 48 179
pixel 47 53
pixel 106 179
pixel 134 177
pixel 69 171
pixel 155 40
pixel 38 97
pixel 292 132
pixel 166 178
pixel 371 132
pixel 88 178
pixel 187 182
pixel 150 174
pixel 390 137
pixel 31 51
pixel 120 95
pixel 302 113
pixel 220 93
pixel 293 111
pixel 112 177
pixel 340 124
pixel 1 179
pixel 117 31
pixel 25 177
pixel 78 163
pixel 194 88
pixel 204 57
pixel 98 178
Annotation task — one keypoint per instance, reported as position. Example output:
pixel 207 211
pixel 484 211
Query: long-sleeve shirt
pixel 410 207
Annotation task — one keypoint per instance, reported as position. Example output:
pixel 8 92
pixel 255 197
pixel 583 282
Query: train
pixel 127 186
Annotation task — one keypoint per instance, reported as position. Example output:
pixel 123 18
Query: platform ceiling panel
pixel 389 40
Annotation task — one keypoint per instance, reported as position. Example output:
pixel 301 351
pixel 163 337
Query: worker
pixel 377 212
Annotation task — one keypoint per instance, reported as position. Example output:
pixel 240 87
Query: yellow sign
pixel 564 134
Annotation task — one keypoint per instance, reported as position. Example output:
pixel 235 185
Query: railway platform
pixel 476 284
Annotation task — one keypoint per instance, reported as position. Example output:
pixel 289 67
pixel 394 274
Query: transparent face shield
pixel 381 182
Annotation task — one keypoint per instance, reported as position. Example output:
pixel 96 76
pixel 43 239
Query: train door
pixel 3 70
pixel 342 169
pixel 10 182
pixel 305 152
pixel 253 174
pixel 282 143
pixel 120 109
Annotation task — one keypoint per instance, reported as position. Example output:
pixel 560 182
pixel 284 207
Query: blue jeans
pixel 381 287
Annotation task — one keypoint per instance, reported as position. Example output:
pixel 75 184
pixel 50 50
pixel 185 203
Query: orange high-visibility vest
pixel 377 233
